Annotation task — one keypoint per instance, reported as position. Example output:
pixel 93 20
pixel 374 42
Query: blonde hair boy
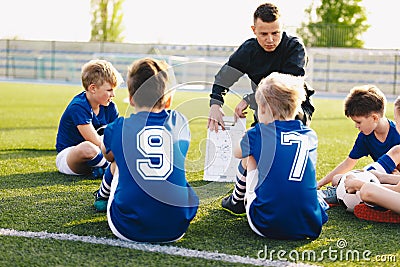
pixel 276 174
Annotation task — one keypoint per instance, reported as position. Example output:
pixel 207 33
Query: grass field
pixel 36 198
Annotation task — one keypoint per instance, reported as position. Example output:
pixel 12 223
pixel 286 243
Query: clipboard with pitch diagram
pixel 220 164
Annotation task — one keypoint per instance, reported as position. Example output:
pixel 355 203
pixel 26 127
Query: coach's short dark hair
pixel 267 13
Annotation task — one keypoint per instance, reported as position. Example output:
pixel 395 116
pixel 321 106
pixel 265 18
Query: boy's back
pixel 144 191
pixel 286 205
pixel 152 200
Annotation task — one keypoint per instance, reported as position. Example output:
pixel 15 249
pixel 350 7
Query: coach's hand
pixel 216 117
pixel 240 109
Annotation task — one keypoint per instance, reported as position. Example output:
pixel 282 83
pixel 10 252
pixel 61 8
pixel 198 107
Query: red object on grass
pixel 364 212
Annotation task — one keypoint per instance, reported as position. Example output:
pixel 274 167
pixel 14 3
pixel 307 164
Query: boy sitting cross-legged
pixel 145 192
pixel 78 139
pixel 276 184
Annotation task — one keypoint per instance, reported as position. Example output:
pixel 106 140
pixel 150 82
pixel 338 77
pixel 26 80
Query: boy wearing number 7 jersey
pixel 276 185
pixel 145 191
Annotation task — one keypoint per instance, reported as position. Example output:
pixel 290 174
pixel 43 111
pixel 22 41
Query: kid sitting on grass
pixel 365 105
pixel 78 141
pixel 385 195
pixel 385 168
pixel 276 183
pixel 145 192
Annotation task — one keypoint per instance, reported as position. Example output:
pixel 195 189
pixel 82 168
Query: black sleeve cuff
pixel 251 100
pixel 216 100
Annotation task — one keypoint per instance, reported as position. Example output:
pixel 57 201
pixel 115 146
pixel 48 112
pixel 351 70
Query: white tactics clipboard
pixel 220 164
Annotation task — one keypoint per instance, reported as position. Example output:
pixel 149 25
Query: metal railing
pixel 329 69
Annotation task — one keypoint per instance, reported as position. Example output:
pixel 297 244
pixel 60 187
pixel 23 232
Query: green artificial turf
pixel 35 197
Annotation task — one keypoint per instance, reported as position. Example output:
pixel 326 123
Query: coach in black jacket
pixel 271 51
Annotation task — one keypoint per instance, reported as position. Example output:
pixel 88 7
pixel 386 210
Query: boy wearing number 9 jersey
pixel 276 182
pixel 147 196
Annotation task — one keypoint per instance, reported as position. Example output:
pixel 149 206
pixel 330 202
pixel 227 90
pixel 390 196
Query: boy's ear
pixel 92 88
pixel 375 116
pixel 263 109
pixel 131 101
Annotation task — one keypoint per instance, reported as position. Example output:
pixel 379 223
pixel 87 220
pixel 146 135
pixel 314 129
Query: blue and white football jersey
pixel 369 145
pixel 286 205
pixel 79 112
pixel 153 201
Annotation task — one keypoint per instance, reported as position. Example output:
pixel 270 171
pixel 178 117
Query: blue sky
pixel 221 22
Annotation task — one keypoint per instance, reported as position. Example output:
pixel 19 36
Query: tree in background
pixel 334 23
pixel 107 20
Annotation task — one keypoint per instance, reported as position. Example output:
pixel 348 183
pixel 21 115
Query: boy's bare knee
pixel 87 150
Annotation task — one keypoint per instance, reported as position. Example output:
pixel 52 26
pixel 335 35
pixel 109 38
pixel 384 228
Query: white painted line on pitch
pixel 170 250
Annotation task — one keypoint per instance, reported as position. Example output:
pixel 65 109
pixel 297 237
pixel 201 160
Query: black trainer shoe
pixel 237 208
pixel 330 196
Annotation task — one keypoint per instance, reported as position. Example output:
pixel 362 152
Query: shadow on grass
pixel 43 179
pixel 209 192
pixel 218 230
pixel 7 154
pixel 50 201
pixel 30 168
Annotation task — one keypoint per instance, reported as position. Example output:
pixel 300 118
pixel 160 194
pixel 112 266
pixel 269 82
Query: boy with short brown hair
pixel 78 140
pixel 366 106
